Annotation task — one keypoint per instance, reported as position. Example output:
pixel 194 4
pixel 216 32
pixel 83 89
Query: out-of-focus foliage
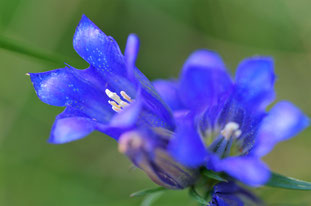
pixel 91 171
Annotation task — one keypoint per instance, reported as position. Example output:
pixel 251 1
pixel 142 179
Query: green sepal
pixel 151 198
pixel 197 197
pixel 214 175
pixel 147 191
pixel 280 181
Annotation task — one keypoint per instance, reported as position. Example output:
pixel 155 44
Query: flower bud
pixel 147 150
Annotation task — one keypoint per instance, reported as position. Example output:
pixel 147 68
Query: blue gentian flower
pixel 222 123
pixel 113 97
pixel 95 97
pixel 231 194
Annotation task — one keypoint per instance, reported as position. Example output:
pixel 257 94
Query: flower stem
pixel 21 48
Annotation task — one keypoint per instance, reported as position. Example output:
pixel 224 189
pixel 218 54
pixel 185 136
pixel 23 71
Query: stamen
pixel 231 130
pixel 118 104
pixel 113 96
pixel 125 96
pixel 123 104
pixel 113 103
pixel 116 109
pixel 237 133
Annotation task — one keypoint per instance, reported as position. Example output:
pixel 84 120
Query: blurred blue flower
pixel 222 123
pixel 113 97
pixel 147 149
pixel 231 194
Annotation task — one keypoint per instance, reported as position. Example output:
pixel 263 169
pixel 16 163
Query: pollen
pixel 231 129
pixel 118 104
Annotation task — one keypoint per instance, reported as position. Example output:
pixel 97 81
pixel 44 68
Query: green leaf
pixel 280 181
pixel 147 191
pixel 214 175
pixel 151 198
pixel 193 193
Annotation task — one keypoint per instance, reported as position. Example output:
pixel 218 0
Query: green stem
pixel 24 49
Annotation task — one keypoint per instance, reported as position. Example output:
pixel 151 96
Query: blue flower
pixel 222 123
pixel 113 97
pixel 231 194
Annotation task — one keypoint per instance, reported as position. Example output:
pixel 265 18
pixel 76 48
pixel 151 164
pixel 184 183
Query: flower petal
pixel 168 90
pixel 283 122
pixel 159 112
pixel 108 66
pixel 131 52
pixel 122 122
pixel 128 116
pixel 187 146
pixel 227 200
pixel 203 79
pixel 51 86
pixel 248 170
pixel 230 193
pixel 153 103
pixel 72 87
pixel 68 127
pixel 254 82
pixel 98 49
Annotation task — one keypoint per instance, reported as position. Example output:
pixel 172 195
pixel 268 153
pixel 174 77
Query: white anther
pixel 118 104
pixel 231 130
pixel 113 103
pixel 113 96
pixel 237 133
pixel 123 104
pixel 116 109
pixel 125 96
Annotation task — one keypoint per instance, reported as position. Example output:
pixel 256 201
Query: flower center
pixel 231 129
pixel 226 143
pixel 118 104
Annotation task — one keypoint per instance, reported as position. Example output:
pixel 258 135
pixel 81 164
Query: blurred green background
pixel 91 172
